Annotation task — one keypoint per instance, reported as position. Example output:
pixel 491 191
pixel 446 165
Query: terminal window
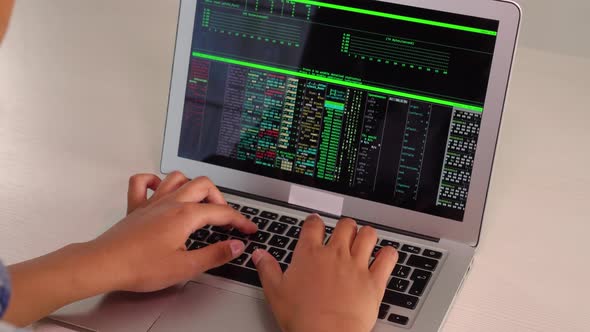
pixel 369 99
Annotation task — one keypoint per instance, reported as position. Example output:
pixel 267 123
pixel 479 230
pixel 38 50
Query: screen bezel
pixel 467 231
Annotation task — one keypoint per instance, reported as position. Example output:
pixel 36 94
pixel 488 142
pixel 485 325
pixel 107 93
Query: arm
pixel 143 252
pixel 328 287
pixel 43 284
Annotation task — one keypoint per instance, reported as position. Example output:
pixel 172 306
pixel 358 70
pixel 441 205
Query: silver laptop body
pixel 387 112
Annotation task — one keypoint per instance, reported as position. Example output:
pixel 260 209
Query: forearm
pixel 42 285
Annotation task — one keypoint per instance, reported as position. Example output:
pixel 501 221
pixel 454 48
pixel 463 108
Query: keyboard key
pixel 277 227
pixel 253 246
pixel 200 235
pixel 422 262
pixel 398 319
pixel 375 251
pixel 234 205
pixel 289 258
pixel 301 223
pixel 389 243
pixel 421 279
pixel 247 216
pixel 397 284
pixel 400 299
pixel 216 237
pixel 293 245
pixel 260 236
pixel 261 222
pixel 240 260
pixel 239 239
pixel 278 254
pixel 197 245
pixel 187 243
pixel 411 249
pixel 250 210
pixel 237 273
pixel 383 310
pixel 420 275
pixel 279 241
pixel 418 287
pixel 289 220
pixel 401 258
pixel 283 266
pixel 269 215
pixel 401 271
pixel 327 238
pixel 250 264
pixel 329 229
pixel 236 233
pixel 294 232
pixel 432 254
pixel 221 229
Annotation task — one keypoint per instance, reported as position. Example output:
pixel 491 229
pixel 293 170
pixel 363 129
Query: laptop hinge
pixel 324 214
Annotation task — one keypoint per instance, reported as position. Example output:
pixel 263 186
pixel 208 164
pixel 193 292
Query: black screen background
pixel 467 80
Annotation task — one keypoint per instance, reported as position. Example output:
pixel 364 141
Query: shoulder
pixel 4 289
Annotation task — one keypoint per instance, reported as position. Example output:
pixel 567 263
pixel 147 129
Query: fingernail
pixel 257 256
pixel 237 247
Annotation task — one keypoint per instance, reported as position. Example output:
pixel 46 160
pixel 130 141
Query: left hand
pixel 143 252
pixel 147 250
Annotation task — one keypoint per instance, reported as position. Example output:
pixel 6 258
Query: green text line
pixel 339 82
pixel 397 17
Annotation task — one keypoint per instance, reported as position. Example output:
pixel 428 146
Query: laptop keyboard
pixel 278 235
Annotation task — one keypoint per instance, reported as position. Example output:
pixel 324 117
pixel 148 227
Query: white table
pixel 83 91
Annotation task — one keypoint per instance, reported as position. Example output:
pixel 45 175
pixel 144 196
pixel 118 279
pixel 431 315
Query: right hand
pixel 328 287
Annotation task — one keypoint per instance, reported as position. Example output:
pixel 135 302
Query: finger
pixel 197 216
pixel 170 184
pixel 269 271
pixel 312 232
pixel 138 187
pixel 214 255
pixel 383 264
pixel 363 245
pixel 198 190
pixel 344 234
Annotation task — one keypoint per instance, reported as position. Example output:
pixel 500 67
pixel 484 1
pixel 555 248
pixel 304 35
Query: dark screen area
pixel 364 98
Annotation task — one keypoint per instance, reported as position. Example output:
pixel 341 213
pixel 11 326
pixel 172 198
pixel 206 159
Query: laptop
pixel 387 112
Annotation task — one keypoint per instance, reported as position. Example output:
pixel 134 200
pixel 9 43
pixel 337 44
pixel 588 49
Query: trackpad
pixel 204 308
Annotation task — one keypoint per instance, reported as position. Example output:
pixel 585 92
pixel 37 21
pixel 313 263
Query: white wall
pixel 561 26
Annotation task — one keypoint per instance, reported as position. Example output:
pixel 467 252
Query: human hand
pixel 331 287
pixel 143 252
pixel 146 250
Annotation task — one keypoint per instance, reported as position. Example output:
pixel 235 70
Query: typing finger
pixel 170 184
pixel 312 232
pixel 197 216
pixel 199 190
pixel 138 189
pixel 363 245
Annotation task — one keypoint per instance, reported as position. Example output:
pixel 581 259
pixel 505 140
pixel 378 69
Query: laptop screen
pixel 369 99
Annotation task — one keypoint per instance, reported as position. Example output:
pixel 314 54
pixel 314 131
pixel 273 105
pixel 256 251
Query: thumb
pixel 215 255
pixel 268 269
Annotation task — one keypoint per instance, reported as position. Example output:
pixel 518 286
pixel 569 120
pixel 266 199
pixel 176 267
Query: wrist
pixel 95 268
pixel 327 323
pixel 88 271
